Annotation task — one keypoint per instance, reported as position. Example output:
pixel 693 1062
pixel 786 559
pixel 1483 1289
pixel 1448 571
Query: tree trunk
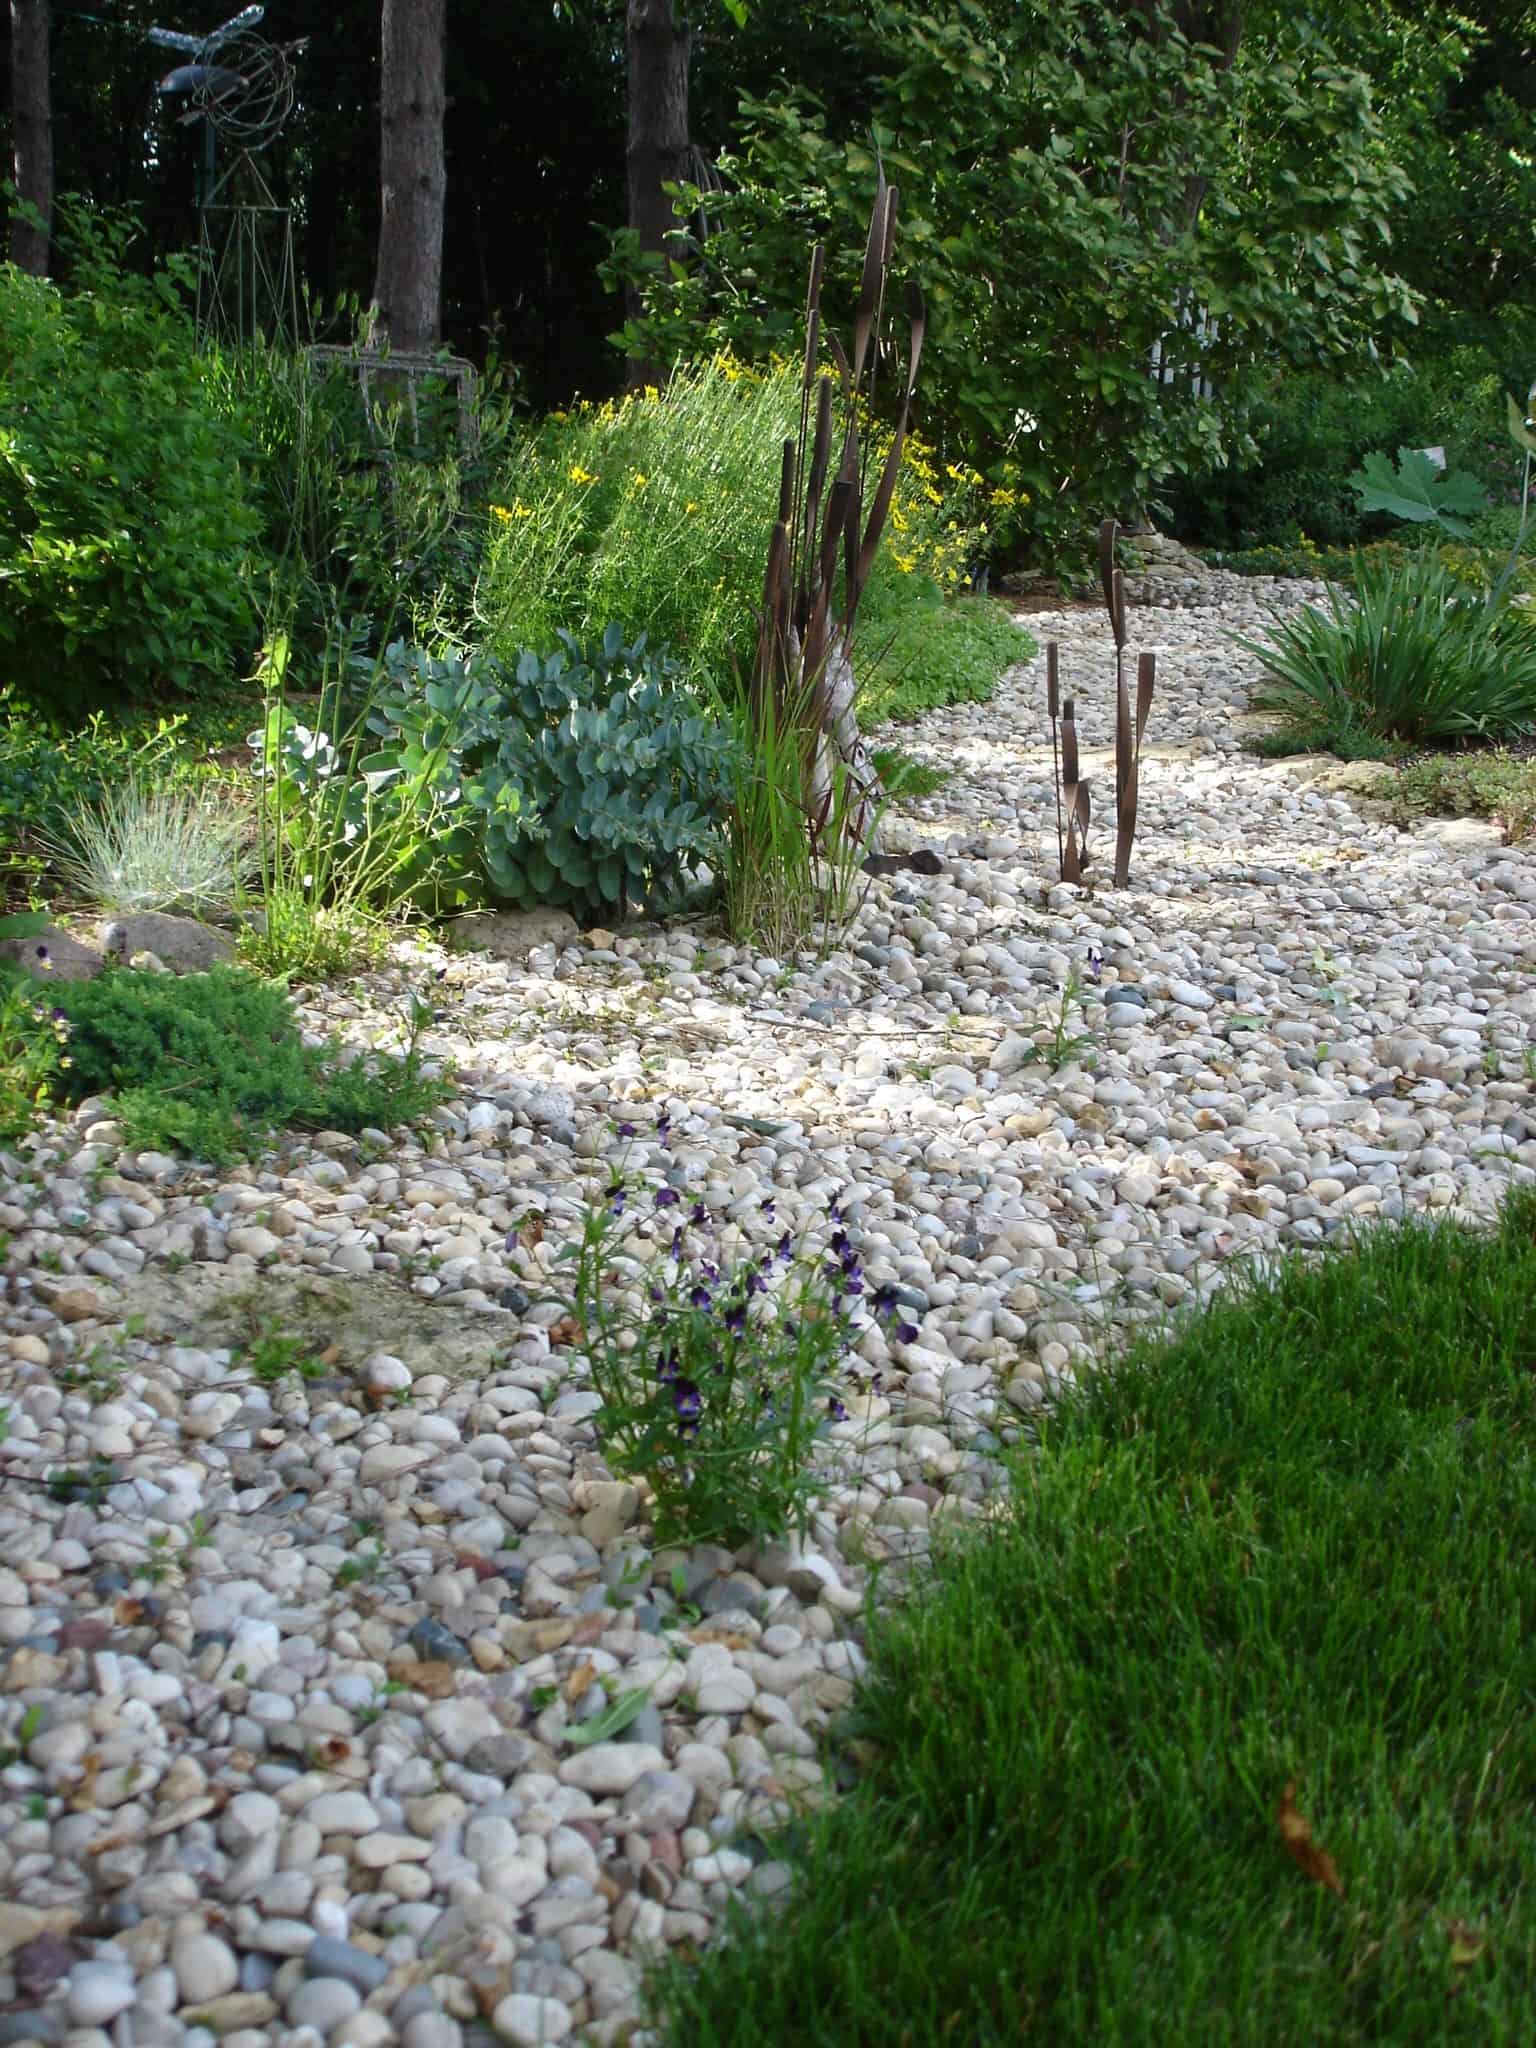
pixel 413 178
pixel 658 153
pixel 32 136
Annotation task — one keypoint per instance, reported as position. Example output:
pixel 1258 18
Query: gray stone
pixel 327 1956
pixel 513 934
pixel 52 954
pixel 179 943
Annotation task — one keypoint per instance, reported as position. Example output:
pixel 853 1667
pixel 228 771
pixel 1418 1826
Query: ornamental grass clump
pixel 142 847
pixel 1412 654
pixel 720 1366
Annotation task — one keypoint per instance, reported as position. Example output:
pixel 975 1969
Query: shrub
pixel 212 1064
pixel 146 848
pixel 917 651
pixel 126 514
pixel 653 508
pixel 717 1374
pixel 1496 785
pixel 586 777
pixel 1414 655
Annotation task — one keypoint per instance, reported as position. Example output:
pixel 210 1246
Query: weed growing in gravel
pixel 717 1367
pixel 1492 785
pixel 1058 1042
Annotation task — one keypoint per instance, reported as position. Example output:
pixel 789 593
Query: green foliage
pixel 1413 655
pixel 901 775
pixel 31 1036
pixel 917 650
pixel 788 882
pixel 587 777
pixel 1484 785
pixel 1153 176
pixel 715 1392
pixel 1273 1545
pixel 1418 490
pixel 653 508
pixel 126 515
pixel 147 847
pixel 212 1064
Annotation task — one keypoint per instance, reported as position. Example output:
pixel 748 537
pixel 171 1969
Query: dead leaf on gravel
pixel 435 1678
pixel 580 1682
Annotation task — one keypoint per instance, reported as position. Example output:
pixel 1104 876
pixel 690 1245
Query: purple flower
pixel 768 1210
pixel 626 1130
pixel 663 1129
pixel 677 1244
pixel 710 1271
pixel 699 1297
pixel 1095 963
pixel 884 1303
pixel 837 1280
pixel 666 1366
pixel 616 1198
pixel 688 1404
pixel 667 1198
pixel 698 1213
pixel 736 1318
pixel 853 1280
pixel 907 1333
pixel 841 1242
pixel 786 1249
pixel 836 1410
pixel 756 1284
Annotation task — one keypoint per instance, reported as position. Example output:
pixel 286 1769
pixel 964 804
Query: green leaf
pixel 1519 432
pixel 1417 490
pixel 612 1720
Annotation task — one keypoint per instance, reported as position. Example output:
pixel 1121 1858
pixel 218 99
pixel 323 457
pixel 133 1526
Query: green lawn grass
pixel 1294 1541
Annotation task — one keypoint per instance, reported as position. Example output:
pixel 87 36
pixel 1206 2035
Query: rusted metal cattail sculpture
pixel 1073 807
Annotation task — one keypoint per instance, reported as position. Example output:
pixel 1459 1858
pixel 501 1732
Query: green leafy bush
pixel 1413 654
pixel 655 508
pixel 212 1064
pixel 587 777
pixel 126 514
pixel 918 650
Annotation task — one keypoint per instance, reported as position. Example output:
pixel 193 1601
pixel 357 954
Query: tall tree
pixel 658 46
pixel 413 175
pixel 31 136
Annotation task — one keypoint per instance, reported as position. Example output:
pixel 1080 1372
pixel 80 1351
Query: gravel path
pixel 290 1674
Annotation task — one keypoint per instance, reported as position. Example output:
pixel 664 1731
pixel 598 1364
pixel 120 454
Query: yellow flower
pixel 520 510
pixel 1002 497
pixel 905 563
pixel 640 479
pixel 581 476
pixel 652 394
pixel 501 512
pixel 560 416
pixel 692 505
pixel 898 518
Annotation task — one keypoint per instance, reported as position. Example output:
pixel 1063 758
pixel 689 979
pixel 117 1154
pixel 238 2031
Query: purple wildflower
pixel 907 1333
pixel 836 1410
pixel 768 1210
pixel 616 1198
pixel 688 1403
pixel 884 1303
pixel 786 1250
pixel 667 1366
pixel 677 1243
pixel 667 1198
pixel 663 1129
pixel 698 1213
pixel 626 1130
pixel 736 1318
pixel 699 1296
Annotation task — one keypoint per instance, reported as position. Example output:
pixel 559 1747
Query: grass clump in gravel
pixel 213 1064
pixel 1290 1544
pixel 1483 785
